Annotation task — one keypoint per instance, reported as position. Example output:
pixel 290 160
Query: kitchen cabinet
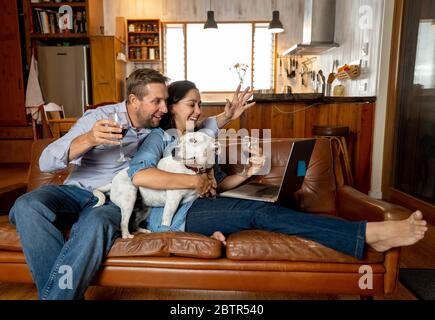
pixel 108 69
pixel 145 41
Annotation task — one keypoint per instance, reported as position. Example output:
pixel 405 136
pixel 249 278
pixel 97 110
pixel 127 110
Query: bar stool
pixel 338 135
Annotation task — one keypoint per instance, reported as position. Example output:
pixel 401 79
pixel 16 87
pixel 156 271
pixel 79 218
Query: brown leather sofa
pixel 252 260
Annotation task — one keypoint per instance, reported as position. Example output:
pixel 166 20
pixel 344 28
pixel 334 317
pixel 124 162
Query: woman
pixel 220 217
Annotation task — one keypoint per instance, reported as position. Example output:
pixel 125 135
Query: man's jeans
pixel 64 269
pixel 227 215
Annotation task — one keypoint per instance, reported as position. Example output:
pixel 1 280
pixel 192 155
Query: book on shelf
pixel 47 22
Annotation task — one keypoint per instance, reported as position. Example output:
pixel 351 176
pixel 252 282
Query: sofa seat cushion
pixel 164 244
pixel 9 239
pixel 263 245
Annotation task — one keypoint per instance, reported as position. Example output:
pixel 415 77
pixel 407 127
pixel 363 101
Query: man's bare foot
pixel 383 236
pixel 217 235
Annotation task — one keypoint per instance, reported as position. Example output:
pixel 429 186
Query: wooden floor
pixel 28 292
pixel 421 255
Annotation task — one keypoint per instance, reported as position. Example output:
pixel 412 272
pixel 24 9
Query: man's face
pixel 148 111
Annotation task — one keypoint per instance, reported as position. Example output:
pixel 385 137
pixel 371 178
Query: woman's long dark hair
pixel 177 91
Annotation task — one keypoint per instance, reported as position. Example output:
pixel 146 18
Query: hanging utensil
pixel 293 73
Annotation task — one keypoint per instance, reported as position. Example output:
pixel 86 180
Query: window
pixel 209 56
pixel 174 52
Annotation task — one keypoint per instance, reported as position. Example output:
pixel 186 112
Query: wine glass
pixel 121 119
pixel 245 147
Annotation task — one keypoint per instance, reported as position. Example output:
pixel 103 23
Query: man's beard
pixel 147 122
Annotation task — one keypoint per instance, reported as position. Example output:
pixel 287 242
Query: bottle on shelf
pixel 152 54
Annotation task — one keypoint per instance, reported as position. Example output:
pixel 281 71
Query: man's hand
pixel 104 132
pixel 235 108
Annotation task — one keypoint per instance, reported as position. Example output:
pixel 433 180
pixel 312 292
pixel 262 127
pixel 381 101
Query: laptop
pixel 293 178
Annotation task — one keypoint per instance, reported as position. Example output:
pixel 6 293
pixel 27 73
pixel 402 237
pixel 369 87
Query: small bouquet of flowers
pixel 241 69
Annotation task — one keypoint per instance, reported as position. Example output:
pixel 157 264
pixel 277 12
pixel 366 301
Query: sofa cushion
pixel 165 244
pixel 9 239
pixel 263 245
pixel 38 178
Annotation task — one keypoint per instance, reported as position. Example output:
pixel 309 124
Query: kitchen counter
pixel 216 100
pixel 309 97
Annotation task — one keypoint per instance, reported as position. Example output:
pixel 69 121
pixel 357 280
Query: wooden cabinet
pixel 12 111
pixel 42 19
pixel 144 41
pixel 108 69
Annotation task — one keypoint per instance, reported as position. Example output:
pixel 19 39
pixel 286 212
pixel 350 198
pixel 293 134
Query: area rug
pixel 421 282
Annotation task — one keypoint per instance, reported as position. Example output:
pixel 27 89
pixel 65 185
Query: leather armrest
pixel 355 205
pixel 9 194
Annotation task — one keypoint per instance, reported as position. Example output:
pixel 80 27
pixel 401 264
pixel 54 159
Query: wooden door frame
pixel 389 192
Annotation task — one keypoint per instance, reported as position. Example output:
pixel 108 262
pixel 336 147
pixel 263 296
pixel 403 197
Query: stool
pixel 338 135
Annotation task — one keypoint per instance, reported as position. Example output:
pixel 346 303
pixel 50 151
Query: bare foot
pixel 219 236
pixel 383 236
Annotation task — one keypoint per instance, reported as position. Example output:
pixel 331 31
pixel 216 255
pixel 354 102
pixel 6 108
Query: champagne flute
pixel 121 119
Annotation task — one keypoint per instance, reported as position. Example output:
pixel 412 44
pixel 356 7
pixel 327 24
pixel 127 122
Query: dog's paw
pixel 141 230
pixel 127 236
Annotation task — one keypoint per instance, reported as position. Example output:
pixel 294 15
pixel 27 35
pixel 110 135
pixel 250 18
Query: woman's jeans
pixel 64 269
pixel 228 215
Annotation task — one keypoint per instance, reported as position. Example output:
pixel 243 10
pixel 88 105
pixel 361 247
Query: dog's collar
pixel 194 169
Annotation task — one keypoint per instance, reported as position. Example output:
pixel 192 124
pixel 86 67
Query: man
pixel 64 269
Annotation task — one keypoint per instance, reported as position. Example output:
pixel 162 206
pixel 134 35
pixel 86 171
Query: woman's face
pixel 187 111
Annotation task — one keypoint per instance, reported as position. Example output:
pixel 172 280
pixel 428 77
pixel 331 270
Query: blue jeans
pixel 227 215
pixel 63 269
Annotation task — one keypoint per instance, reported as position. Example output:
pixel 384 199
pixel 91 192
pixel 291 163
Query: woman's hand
pixel 235 108
pixel 206 184
pixel 256 161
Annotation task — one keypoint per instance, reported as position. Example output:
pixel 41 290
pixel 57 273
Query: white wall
pixel 357 22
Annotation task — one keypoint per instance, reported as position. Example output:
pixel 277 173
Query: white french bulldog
pixel 194 154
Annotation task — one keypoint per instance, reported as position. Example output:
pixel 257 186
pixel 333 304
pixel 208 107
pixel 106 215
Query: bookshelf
pixel 41 22
pixel 144 38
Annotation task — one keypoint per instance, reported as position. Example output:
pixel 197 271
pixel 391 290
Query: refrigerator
pixel 65 78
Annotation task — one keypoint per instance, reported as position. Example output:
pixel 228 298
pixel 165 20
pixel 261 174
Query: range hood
pixel 319 29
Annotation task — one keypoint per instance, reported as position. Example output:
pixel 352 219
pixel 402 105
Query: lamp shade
pixel 210 23
pixel 275 25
